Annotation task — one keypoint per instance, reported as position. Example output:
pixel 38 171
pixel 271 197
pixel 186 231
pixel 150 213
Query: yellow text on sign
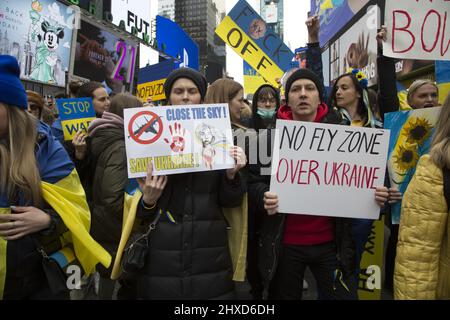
pixel 233 35
pixel 71 127
pixel 76 107
pixel 154 90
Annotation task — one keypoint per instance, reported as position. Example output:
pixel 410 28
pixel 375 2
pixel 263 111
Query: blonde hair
pixel 440 146
pixel 416 85
pixel 222 91
pixel 18 166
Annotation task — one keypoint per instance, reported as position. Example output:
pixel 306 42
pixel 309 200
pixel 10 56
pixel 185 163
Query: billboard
pixel 174 41
pixel 356 48
pixel 271 13
pixel 38 34
pixel 334 15
pixel 135 15
pixel 104 57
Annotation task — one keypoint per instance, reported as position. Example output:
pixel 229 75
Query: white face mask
pixel 266 113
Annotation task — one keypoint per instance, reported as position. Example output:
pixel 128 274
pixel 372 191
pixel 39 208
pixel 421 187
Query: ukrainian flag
pixel 443 79
pixel 62 190
pixel 131 201
pixel 402 94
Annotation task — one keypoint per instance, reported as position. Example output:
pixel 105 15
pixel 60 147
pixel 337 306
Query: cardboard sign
pixel 151 81
pixel 178 139
pixel 153 90
pixel 418 29
pixel 328 170
pixel 411 135
pixel 75 115
pixel 249 36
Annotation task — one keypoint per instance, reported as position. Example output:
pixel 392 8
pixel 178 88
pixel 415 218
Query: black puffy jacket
pixel 190 258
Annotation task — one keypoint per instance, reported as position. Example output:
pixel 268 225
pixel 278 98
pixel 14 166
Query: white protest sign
pixel 328 170
pixel 178 139
pixel 417 29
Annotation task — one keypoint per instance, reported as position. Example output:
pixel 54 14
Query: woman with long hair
pixel 422 265
pixel 107 150
pixel 41 198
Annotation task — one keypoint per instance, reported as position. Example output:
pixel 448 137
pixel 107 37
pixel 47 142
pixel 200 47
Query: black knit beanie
pixel 190 74
pixel 304 74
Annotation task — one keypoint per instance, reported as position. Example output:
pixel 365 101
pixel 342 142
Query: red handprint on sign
pixel 178 141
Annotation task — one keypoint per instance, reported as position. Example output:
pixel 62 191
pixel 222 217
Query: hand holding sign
pixel 152 186
pixel 381 195
pixel 239 156
pixel 394 195
pixel 271 203
pixel 382 35
pixel 79 142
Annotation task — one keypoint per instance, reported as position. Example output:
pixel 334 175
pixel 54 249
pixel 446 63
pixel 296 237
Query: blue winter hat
pixel 12 91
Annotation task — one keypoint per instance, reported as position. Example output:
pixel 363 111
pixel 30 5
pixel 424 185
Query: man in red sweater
pixel 292 242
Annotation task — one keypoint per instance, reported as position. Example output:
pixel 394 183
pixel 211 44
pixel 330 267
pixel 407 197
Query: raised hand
pixel 313 25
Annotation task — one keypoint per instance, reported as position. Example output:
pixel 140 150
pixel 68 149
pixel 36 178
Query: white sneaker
pixel 305 285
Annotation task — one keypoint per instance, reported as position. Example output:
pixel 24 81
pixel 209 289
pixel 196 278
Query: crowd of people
pixel 77 194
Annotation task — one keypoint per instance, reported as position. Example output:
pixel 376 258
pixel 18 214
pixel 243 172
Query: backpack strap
pixel 446 173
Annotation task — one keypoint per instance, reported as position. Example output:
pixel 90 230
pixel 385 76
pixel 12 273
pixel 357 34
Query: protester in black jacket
pixel 189 256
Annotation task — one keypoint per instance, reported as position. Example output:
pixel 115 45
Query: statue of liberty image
pixel 46 36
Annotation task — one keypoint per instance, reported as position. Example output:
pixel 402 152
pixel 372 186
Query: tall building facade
pixel 272 13
pixel 199 18
pixel 166 8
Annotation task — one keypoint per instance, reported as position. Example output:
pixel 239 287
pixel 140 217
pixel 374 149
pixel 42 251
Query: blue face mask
pixel 266 113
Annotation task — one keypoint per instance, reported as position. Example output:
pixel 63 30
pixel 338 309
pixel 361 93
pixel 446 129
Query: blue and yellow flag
pixel 62 190
pixel 443 79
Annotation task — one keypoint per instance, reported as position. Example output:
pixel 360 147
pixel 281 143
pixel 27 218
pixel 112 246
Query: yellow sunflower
pixel 406 157
pixel 417 130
